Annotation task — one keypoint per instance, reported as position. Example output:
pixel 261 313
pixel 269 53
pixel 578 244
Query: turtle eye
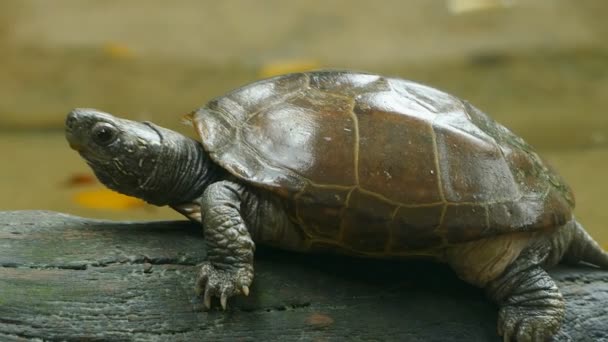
pixel 104 133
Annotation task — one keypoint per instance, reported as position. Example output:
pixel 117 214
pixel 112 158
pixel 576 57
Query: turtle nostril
pixel 70 121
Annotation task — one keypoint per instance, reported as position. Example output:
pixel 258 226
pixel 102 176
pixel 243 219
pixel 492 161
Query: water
pixel 543 76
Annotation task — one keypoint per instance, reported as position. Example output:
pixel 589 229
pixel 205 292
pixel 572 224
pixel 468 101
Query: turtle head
pixel 133 158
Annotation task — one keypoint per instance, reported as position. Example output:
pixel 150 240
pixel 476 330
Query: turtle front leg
pixel 228 270
pixel 531 306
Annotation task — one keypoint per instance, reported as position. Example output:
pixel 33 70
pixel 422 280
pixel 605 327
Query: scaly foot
pixel 534 323
pixel 222 283
pixel 531 306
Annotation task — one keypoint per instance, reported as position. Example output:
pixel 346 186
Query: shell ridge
pixel 410 95
pixel 458 136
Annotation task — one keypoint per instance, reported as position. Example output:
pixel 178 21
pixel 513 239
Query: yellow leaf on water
pixel 118 51
pixel 80 179
pixel 464 6
pixel 107 199
pixel 287 66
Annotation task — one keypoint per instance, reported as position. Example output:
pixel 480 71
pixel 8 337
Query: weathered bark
pixel 69 278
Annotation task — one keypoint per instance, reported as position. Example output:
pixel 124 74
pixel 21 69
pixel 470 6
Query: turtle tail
pixel 584 248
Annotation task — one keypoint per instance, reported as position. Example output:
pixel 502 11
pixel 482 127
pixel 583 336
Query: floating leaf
pixel 80 179
pixel 118 51
pixel 288 66
pixel 464 6
pixel 107 199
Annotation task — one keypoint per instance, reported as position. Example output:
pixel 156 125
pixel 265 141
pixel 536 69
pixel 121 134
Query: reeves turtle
pixel 338 161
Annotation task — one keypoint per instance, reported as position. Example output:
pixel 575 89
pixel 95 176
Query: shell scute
pixel 396 156
pixel 365 222
pixel 415 228
pixel 473 170
pixel 464 222
pixel 319 211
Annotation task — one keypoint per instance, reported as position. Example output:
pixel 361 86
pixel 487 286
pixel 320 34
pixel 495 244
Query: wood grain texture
pixel 69 278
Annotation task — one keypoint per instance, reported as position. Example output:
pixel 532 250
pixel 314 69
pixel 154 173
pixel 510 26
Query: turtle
pixel 354 163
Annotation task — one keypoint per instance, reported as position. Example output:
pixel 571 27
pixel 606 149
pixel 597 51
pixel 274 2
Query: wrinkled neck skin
pixel 181 172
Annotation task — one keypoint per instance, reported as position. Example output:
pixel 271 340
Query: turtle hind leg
pixel 510 268
pixel 531 305
pixel 583 248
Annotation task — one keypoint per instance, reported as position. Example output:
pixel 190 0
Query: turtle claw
pixel 222 283
pixel 527 324
pixel 223 300
pixel 207 299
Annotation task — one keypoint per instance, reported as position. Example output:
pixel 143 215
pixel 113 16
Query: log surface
pixel 69 278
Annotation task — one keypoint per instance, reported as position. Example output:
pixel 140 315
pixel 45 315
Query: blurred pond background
pixel 540 67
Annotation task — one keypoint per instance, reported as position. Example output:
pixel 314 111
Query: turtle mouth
pixel 75 146
pixel 73 142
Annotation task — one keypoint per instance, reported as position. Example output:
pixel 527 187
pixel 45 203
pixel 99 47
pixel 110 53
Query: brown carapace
pixel 421 168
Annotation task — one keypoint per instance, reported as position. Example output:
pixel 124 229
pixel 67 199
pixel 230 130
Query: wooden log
pixel 70 278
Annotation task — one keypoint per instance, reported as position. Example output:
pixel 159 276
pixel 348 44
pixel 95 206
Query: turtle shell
pixel 381 165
